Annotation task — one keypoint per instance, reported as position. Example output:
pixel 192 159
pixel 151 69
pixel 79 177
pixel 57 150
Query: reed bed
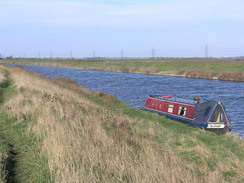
pixel 84 139
pixel 233 76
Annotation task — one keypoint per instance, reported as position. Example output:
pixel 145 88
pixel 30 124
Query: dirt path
pixel 11 160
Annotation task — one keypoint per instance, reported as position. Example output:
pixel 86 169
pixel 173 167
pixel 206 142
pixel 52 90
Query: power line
pixel 94 54
pixel 206 51
pixel 153 53
pixel 122 53
pixel 71 54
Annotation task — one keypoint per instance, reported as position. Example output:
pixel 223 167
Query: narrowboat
pixel 206 114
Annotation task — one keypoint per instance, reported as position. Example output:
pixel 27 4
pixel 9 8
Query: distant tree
pixel 10 57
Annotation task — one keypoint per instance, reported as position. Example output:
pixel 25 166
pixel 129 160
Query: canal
pixel 133 89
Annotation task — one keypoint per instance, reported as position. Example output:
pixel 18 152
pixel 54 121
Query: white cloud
pixel 42 12
pixel 46 25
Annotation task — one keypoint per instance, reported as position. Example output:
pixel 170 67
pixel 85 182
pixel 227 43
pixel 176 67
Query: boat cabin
pixel 197 113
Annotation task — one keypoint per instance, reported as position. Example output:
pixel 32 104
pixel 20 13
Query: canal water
pixel 133 89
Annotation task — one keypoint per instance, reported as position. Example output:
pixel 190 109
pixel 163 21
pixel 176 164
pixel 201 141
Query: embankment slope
pixel 60 132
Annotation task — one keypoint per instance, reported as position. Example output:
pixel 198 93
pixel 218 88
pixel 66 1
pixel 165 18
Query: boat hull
pixel 208 115
pixel 177 118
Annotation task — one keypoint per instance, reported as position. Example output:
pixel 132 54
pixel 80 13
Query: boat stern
pixel 213 114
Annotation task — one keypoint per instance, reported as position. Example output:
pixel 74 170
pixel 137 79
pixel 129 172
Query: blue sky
pixel 82 28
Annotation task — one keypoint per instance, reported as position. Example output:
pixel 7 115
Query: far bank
pixel 213 69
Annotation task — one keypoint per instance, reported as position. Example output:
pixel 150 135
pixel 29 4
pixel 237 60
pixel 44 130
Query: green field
pixel 55 131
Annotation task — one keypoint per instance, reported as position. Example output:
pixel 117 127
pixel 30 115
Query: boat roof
pixel 175 99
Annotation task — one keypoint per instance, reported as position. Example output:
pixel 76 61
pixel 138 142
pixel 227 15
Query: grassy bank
pixel 221 69
pixel 59 132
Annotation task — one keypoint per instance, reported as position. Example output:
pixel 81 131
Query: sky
pixel 128 28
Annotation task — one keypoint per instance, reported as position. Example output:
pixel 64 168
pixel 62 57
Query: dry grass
pixel 232 76
pixel 85 142
pixel 201 74
pixel 2 76
pixel 149 70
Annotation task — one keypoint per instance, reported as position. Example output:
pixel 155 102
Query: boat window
pixel 182 111
pixel 170 108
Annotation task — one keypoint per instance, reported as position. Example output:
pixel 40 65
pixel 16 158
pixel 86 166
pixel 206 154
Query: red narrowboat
pixel 207 114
